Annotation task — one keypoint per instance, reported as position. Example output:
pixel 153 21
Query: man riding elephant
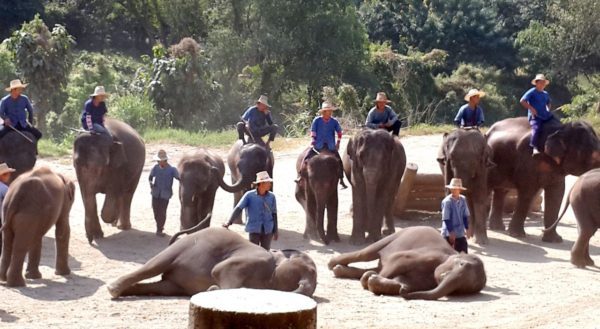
pixel 537 102
pixel 16 111
pixel 94 112
pixel 382 116
pixel 470 114
pixel 257 122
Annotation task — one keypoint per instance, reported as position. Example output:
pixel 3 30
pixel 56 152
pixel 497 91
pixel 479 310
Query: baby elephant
pixel 218 258
pixel 35 202
pixel 585 200
pixel 415 263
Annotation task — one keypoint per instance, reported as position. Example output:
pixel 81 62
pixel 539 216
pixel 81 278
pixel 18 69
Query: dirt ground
pixel 530 284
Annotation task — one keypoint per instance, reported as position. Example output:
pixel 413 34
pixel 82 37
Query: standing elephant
pixel 18 152
pixel 36 201
pixel 465 154
pixel 374 164
pixel 245 161
pixel 198 184
pixel 585 200
pixel 218 258
pixel 415 263
pixel 111 166
pixel 317 191
pixel 571 149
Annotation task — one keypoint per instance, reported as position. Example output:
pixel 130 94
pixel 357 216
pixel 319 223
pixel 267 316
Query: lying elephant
pixel 415 263
pixel 585 201
pixel 36 201
pixel 219 258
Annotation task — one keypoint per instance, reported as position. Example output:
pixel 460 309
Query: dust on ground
pixel 531 284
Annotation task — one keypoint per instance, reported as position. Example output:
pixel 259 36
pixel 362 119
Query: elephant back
pixel 18 152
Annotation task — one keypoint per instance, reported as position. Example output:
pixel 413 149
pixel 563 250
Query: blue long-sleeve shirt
pixel 18 110
pixel 96 114
pixel 540 101
pixel 162 181
pixel 469 117
pixel 323 132
pixel 260 211
pixel 375 117
pixel 455 216
pixel 257 119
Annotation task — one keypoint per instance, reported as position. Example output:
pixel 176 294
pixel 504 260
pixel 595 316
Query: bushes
pixel 135 109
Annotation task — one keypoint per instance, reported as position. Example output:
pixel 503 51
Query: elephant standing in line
pixel 465 154
pixel 374 163
pixel 36 201
pixel 317 191
pixel 569 149
pixel 218 258
pixel 415 263
pixel 199 177
pixel 585 200
pixel 17 152
pixel 111 166
pixel 245 161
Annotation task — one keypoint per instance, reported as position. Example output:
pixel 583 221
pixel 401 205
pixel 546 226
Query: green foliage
pixel 587 102
pixel 204 138
pixel 50 148
pixel 135 109
pixel 8 71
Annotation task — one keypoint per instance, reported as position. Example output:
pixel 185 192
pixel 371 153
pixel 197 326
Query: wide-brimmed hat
pixel 539 77
pixel 161 156
pixel 263 99
pixel 455 183
pixel 382 97
pixel 262 177
pixel 474 92
pixel 327 106
pixel 99 91
pixel 4 168
pixel 16 84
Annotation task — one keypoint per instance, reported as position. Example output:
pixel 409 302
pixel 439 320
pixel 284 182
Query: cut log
pixel 429 180
pixel 426 205
pixel 426 195
pixel 405 187
pixel 251 308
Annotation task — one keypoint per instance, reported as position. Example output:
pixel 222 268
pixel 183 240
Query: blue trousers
pixel 536 129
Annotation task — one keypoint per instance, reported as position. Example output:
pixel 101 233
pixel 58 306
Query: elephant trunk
pixel 320 216
pixel 444 288
pixel 238 186
pixel 374 213
pixel 188 215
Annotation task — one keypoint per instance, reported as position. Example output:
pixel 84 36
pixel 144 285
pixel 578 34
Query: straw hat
pixel 4 168
pixel 327 106
pixel 474 92
pixel 539 77
pixel 161 156
pixel 99 91
pixel 263 177
pixel 16 84
pixel 455 183
pixel 381 97
pixel 263 99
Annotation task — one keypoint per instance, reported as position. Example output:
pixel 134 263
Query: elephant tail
pixel 553 226
pixel 202 225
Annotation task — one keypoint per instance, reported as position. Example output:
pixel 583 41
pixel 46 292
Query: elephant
pixel 465 154
pixel 569 149
pixel 36 201
pixel 18 152
pixel 245 161
pixel 317 191
pixel 214 258
pixel 199 177
pixel 415 263
pixel 109 165
pixel 374 163
pixel 585 201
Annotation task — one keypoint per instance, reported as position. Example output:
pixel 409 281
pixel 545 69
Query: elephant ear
pixel 555 145
pixel 488 156
pixel 441 157
pixel 117 154
pixel 350 149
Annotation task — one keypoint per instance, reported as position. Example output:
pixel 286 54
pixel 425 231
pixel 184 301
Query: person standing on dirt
pixel 94 112
pixel 470 114
pixel 537 101
pixel 455 217
pixel 382 116
pixel 16 111
pixel 257 122
pixel 261 212
pixel 161 185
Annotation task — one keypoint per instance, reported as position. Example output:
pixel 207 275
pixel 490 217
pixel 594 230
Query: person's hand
pixel 226 225
pixel 533 112
pixel 452 238
pixel 337 145
pixel 275 236
pixel 7 122
pixel 470 232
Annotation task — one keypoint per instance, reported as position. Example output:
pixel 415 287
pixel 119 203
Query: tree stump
pixel 250 309
pixel 405 187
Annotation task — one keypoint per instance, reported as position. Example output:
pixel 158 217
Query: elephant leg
pixel 320 220
pixel 380 285
pixel 516 227
pixel 553 196
pixel 62 235
pixel 358 216
pixel 364 279
pixel 208 204
pixel 310 230
pixel 580 255
pixel 332 218
pixel 159 288
pixel 155 266
pixel 33 260
pixel 497 211
pixel 21 245
pixel 478 217
pixel 388 222
pixel 349 272
pixel 125 210
pixel 7 248
pixel 92 222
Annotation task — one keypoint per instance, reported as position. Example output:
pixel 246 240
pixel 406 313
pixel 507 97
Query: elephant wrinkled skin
pixel 415 263
pixel 17 152
pixel 36 201
pixel 218 258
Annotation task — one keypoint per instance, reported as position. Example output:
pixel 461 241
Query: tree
pixel 43 59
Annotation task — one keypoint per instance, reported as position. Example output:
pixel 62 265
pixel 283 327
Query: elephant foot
pixel 124 227
pixel 481 239
pixel 373 238
pixel 114 290
pixel 357 240
pixel 333 237
pixel 581 263
pixel 497 225
pixel 364 280
pixel 94 236
pixel 388 231
pixel 517 232
pixel 3 277
pixel 17 281
pixel 33 274
pixel 213 288
pixel 62 271
pixel 552 237
pixel 338 271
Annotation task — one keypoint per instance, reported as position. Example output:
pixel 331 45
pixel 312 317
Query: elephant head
pixel 98 151
pixel 295 271
pixel 251 159
pixel 197 176
pixel 575 147
pixel 460 274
